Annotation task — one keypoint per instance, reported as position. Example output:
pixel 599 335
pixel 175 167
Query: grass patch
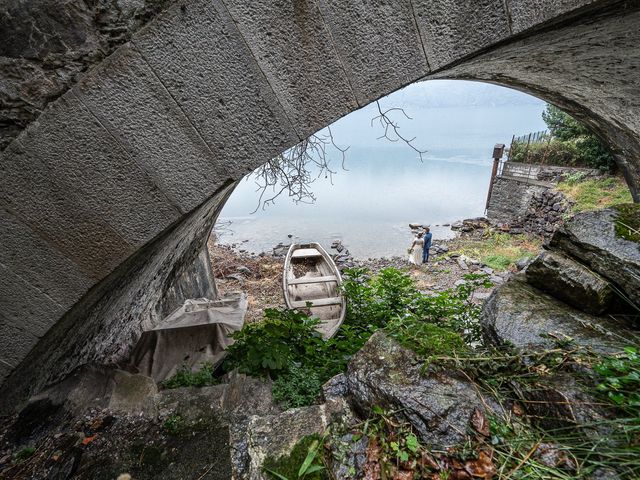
pixel 628 221
pixel 595 194
pixel 498 250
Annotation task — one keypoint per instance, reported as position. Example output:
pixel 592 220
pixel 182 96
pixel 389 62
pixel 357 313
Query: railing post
pixel 498 151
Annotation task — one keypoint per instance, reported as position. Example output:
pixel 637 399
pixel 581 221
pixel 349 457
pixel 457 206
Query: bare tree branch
pixel 296 169
pixel 392 129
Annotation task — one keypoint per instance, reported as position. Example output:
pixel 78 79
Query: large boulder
pixel 593 239
pixel 439 407
pixel 571 282
pixel 519 314
pixel 274 436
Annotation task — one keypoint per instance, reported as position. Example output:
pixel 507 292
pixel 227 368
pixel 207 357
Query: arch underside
pixel 108 197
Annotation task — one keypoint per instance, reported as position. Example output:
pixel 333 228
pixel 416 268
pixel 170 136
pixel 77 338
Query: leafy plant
pixel 270 347
pixel 590 149
pixel 287 348
pixel 298 387
pixel 174 423
pixel 621 379
pixel 185 377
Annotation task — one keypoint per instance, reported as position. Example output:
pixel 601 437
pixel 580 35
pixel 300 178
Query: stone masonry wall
pixel 520 205
pixel 511 196
pixel 46 45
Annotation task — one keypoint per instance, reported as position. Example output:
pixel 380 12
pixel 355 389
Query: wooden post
pixel 498 151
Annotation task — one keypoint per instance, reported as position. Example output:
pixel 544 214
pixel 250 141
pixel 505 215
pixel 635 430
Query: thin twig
pixel 392 129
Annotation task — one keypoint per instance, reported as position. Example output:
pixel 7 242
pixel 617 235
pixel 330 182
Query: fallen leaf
pixel 480 423
pixel 403 475
pixel 88 440
pixel 482 467
pixel 96 424
pixel 551 455
pixel 517 409
pixel 371 468
pixel 429 461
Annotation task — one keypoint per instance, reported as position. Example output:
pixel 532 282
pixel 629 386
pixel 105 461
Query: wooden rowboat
pixel 310 275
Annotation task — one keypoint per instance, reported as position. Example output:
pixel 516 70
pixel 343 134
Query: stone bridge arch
pixel 108 197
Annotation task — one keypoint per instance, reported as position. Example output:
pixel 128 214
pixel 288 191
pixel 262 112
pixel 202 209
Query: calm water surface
pixel 385 186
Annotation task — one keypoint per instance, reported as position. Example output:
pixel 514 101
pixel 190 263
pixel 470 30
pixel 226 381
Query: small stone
pixel 462 264
pixel 496 279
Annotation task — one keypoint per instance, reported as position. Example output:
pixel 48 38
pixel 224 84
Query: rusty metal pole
pixel 498 151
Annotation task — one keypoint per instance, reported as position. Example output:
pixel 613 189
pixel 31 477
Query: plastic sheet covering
pixel 196 332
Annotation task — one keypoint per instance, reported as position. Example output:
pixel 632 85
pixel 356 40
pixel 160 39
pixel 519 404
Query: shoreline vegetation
pixel 433 310
pixel 441 328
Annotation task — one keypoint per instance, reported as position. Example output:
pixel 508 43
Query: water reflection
pixel 386 186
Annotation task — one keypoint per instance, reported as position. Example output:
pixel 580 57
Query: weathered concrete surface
pixel 209 90
pixel 298 57
pixel 46 45
pixel 571 282
pixel 596 84
pixel 451 29
pixel 202 60
pixel 107 322
pixel 381 26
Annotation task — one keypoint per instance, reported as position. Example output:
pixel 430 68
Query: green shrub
pixel 287 348
pixel 555 152
pixel 298 387
pixel 425 338
pixel 185 377
pixel 270 347
pixel 570 144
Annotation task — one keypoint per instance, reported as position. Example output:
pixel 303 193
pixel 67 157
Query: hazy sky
pixel 460 93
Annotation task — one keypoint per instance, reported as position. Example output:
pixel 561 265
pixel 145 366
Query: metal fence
pixel 527 140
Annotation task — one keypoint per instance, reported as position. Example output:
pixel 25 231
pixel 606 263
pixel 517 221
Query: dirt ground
pixel 260 276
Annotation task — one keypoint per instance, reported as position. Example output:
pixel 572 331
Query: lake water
pixel 386 186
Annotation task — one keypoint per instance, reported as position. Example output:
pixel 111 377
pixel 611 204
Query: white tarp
pixel 196 332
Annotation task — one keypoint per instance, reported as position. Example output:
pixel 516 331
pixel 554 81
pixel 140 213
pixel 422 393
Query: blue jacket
pixel 427 240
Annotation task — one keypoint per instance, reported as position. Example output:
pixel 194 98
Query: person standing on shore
pixel 427 245
pixel 415 252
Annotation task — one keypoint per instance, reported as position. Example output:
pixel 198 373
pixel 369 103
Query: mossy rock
pixel 628 221
pixel 289 465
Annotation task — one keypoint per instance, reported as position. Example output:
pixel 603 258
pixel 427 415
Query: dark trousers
pixel 425 255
